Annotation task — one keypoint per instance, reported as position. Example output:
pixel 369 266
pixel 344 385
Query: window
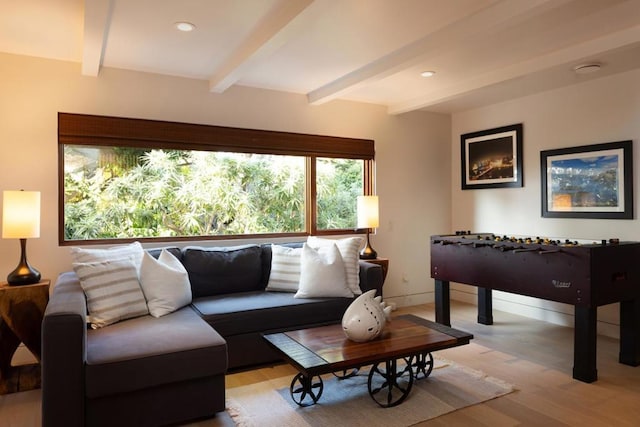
pixel 139 179
pixel 338 183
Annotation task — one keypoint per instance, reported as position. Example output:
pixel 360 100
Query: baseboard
pixel 556 317
pixel 409 300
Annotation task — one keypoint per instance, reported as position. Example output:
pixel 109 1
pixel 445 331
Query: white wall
pixel 599 111
pixel 417 159
pixel 412 160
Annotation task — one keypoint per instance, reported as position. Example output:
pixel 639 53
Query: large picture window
pixel 157 180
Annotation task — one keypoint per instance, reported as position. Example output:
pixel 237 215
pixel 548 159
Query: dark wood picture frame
pixel 589 181
pixel 492 158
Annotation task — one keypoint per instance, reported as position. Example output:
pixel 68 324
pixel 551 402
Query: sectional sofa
pixel 165 370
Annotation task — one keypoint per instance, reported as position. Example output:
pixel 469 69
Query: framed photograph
pixel 492 158
pixel 590 181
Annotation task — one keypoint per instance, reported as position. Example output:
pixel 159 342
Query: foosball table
pixel 585 274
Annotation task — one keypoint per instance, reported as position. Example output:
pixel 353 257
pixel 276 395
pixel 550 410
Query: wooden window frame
pixel 93 130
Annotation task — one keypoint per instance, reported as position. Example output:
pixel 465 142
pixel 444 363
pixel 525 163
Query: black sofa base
pixel 163 405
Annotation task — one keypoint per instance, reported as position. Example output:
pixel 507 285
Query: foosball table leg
pixel 630 332
pixel 485 306
pixel 443 304
pixel 584 349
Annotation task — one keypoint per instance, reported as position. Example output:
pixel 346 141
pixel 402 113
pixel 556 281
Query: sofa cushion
pixel 350 250
pixel 267 257
pixel 262 311
pixel 173 250
pixel 322 273
pixel 165 283
pixel 285 269
pixel 112 290
pixel 149 351
pixel 133 250
pixel 223 270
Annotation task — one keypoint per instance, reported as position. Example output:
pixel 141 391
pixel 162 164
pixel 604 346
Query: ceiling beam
pixel 97 14
pixel 498 15
pixel 568 55
pixel 265 39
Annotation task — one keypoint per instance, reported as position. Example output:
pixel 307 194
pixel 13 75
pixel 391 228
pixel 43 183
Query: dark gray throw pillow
pixel 223 270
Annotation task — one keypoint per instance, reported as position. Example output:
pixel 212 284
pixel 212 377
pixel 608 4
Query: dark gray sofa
pixel 157 371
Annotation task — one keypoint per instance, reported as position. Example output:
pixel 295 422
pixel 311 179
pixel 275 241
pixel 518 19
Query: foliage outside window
pixel 338 184
pixel 133 192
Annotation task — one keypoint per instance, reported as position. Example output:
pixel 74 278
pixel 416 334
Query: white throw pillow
pixel 285 269
pixel 350 250
pixel 322 273
pixel 165 283
pixel 112 290
pixel 133 250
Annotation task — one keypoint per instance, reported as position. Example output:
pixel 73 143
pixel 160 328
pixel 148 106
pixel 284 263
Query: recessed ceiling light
pixel 184 26
pixel 427 73
pixel 591 67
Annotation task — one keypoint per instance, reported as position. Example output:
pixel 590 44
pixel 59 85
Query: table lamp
pixel 21 220
pixel 368 218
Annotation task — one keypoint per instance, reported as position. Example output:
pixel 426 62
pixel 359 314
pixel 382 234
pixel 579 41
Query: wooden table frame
pixel 325 349
pixel 584 275
pixel 585 329
pixel 21 311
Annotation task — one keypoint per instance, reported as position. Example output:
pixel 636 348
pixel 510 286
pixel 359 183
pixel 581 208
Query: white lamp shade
pixel 20 214
pixel 368 212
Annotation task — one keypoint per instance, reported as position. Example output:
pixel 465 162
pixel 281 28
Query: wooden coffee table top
pixel 325 349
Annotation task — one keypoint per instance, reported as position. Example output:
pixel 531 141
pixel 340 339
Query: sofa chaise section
pixel 155 370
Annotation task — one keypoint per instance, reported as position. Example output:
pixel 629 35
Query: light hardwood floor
pixel 535 356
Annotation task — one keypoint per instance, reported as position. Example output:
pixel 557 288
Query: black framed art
pixel 492 158
pixel 589 181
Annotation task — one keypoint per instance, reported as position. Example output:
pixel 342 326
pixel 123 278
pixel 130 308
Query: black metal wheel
pixel 390 382
pixel 343 375
pixel 422 364
pixel 306 391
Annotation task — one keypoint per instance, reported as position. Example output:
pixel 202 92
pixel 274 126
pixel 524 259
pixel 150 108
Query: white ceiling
pixel 483 51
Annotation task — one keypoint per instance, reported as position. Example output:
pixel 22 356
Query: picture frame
pixel 588 181
pixel 492 158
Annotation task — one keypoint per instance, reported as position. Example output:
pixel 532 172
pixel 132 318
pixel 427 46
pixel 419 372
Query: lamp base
pixel 24 274
pixel 20 276
pixel 368 252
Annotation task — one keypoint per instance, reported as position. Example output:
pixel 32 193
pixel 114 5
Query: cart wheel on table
pixel 390 384
pixel 306 391
pixel 343 375
pixel 422 364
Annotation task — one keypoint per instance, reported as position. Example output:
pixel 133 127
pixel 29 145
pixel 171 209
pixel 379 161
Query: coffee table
pixel 401 353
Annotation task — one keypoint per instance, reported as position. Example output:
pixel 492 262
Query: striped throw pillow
pixel 285 269
pixel 350 250
pixel 132 250
pixel 112 290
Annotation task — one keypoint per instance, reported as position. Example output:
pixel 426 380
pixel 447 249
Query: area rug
pixel 347 402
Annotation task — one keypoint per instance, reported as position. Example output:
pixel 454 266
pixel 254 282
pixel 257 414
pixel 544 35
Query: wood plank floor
pixel 535 356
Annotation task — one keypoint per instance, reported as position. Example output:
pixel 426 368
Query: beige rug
pixel 347 402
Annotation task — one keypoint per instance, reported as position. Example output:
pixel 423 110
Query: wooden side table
pixel 21 311
pixel 383 262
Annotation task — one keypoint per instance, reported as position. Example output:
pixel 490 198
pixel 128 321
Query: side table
pixel 21 312
pixel 383 262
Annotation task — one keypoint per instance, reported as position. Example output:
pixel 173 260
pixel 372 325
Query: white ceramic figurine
pixel 365 317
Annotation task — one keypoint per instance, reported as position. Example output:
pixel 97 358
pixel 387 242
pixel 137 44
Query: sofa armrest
pixel 371 277
pixel 64 341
